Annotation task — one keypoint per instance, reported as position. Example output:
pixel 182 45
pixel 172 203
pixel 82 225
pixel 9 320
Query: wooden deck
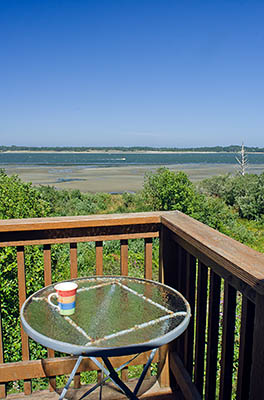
pixel 109 392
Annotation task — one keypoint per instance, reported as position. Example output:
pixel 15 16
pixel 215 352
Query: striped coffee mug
pixel 66 295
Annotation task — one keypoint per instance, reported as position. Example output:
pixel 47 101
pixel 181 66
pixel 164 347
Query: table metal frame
pixel 111 373
pixel 105 353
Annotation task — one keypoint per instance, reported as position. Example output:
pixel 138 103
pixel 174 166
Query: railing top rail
pixel 33 224
pixel 241 261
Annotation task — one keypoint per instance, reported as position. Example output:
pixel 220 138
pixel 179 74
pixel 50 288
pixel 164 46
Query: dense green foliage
pixel 166 190
pixel 20 200
pixel 73 202
pixel 244 193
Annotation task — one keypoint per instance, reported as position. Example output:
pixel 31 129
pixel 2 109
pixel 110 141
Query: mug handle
pixel 50 302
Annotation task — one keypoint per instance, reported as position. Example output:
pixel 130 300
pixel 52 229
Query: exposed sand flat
pixel 113 179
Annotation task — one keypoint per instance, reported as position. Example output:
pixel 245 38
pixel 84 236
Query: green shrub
pixel 165 190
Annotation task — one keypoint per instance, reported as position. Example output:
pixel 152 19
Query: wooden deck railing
pixel 215 273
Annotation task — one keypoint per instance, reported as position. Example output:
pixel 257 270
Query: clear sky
pixel 173 73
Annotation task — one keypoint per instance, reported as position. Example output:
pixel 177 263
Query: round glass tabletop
pixel 114 316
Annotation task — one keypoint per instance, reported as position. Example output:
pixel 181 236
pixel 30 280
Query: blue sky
pixel 124 73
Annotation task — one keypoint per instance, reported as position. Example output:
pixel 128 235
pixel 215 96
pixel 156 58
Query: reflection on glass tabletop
pixel 114 316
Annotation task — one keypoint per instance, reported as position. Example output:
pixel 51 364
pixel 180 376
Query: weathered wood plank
pixel 102 220
pixel 227 342
pixel 257 381
pixel 99 257
pixel 213 329
pixel 76 236
pixel 58 366
pixel 190 296
pixel 200 326
pixel 183 379
pixel 240 260
pixel 245 349
pixel 22 298
pixel 148 258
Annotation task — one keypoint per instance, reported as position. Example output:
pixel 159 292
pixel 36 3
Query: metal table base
pixel 112 374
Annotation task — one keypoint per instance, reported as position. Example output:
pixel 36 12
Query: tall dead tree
pixel 242 161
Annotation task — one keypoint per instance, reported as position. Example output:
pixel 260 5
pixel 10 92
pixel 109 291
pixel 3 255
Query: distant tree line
pixel 228 149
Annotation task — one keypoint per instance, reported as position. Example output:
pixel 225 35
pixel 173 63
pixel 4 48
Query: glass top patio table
pixel 114 316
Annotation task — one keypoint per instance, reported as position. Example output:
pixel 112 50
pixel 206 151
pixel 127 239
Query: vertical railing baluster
pixel 47 264
pixel 257 379
pixel 148 270
pixel 22 298
pixel 200 326
pixel 148 258
pixel 99 271
pixel 181 287
pixel 245 349
pixel 99 257
pixel 190 296
pixel 167 274
pixel 124 271
pixel 2 386
pixel 124 257
pixel 74 274
pixel 213 331
pixel 48 281
pixel 227 342
pixel 73 260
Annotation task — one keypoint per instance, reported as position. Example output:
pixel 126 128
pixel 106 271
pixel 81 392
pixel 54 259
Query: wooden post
pixel 148 258
pixel 99 258
pixel 74 274
pixel 257 370
pixel 200 327
pixel 2 386
pixel 227 342
pixel 190 296
pixel 48 281
pixel 167 274
pixel 124 257
pixel 212 341
pixel 22 299
pixel 73 260
pixel 245 349
pixel 124 271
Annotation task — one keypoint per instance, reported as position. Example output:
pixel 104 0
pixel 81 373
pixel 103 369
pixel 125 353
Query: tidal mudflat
pixel 113 179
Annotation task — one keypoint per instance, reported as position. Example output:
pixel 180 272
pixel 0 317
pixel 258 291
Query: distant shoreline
pixel 123 152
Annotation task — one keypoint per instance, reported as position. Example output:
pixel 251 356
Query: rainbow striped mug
pixel 66 295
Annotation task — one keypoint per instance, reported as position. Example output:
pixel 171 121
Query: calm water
pixel 115 160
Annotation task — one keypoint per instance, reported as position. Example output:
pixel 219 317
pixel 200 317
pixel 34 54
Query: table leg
pixel 117 380
pixel 66 387
pixel 107 374
pixel 145 370
pixel 111 373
